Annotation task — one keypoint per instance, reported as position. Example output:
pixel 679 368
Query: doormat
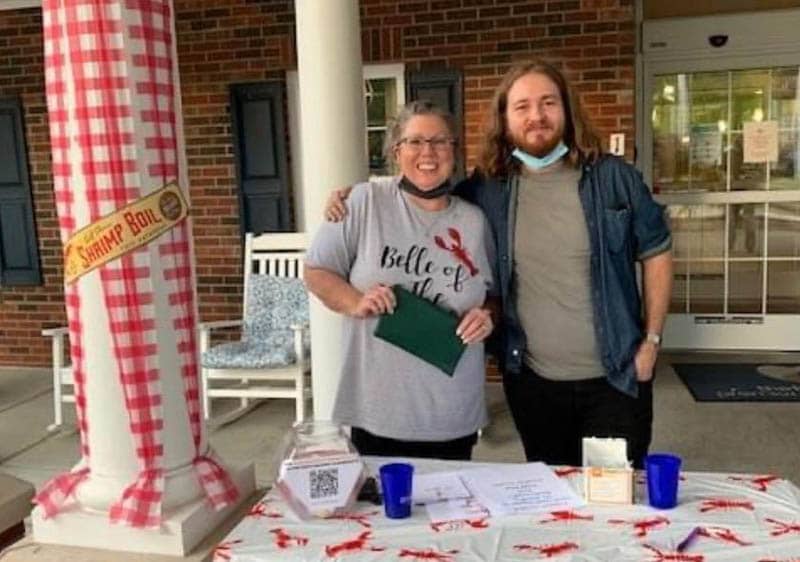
pixel 741 382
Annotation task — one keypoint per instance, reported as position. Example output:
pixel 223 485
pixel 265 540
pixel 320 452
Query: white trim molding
pixel 19 4
pixel 392 70
pixel 721 36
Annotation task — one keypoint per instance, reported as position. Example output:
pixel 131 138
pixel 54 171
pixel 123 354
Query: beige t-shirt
pixel 551 266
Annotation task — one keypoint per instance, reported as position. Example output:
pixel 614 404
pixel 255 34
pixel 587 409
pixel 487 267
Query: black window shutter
pixel 19 254
pixel 259 141
pixel 444 87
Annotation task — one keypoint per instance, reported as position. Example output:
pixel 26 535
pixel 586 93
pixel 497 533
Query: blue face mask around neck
pixel 538 163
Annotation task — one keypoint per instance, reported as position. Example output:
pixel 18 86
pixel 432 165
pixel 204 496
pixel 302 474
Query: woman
pixel 410 232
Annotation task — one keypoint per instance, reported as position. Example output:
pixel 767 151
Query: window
pixel 384 94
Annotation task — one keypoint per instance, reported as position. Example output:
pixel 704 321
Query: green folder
pixel 422 329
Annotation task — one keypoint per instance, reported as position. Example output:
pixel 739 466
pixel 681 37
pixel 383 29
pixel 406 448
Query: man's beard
pixel 538 149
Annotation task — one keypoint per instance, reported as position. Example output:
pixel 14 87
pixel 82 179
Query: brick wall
pixel 594 40
pixel 223 42
pixel 24 311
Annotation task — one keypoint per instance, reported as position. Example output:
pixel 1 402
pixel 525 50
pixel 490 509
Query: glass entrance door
pixel 723 153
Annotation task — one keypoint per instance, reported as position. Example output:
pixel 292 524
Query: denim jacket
pixel 625 225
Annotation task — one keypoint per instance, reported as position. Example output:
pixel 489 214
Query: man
pixel 577 347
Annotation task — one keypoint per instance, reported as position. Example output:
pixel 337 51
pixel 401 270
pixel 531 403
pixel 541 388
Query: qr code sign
pixel 324 483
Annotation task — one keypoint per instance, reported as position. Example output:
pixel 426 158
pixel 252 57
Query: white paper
pixel 760 141
pixel 456 510
pixel 438 486
pixel 520 488
pixel 608 452
pixel 706 145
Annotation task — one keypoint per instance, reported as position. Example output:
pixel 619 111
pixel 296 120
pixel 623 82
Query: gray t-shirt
pixel 551 260
pixel 385 238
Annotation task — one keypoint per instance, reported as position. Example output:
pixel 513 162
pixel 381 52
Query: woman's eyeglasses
pixel 416 144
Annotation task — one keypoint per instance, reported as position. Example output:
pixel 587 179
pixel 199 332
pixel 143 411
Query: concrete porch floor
pixel 736 437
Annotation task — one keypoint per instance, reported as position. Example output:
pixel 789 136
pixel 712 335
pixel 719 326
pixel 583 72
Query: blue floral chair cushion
pixel 274 304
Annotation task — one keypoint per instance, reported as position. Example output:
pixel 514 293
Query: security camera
pixel 717 40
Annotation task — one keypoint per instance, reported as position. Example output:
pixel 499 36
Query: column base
pixel 182 530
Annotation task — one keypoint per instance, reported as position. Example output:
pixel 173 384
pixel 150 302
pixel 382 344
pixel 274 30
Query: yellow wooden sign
pixel 123 230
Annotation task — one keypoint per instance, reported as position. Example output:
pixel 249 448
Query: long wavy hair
pixel 494 157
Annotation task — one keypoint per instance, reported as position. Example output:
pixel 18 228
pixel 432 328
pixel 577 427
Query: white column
pixel 116 137
pixel 332 125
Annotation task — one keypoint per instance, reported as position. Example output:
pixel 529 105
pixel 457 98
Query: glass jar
pixel 319 469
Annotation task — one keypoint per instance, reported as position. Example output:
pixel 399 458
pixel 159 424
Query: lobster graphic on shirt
pixel 457 249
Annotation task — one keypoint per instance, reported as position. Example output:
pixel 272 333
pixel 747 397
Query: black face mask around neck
pixel 443 189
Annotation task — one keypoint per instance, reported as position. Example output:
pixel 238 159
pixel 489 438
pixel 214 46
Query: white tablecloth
pixel 742 518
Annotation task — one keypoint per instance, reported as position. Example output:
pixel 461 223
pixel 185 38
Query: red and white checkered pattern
pixel 55 492
pixel 117 57
pixel 157 95
pixel 58 490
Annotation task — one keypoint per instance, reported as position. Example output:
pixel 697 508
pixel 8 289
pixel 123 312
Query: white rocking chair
pixel 268 258
pixel 63 389
pixel 271 360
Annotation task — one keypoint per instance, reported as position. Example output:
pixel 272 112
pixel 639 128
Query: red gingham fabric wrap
pixel 55 492
pixel 175 249
pixel 121 70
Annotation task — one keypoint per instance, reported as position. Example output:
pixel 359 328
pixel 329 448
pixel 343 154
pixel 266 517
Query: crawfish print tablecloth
pixel 740 518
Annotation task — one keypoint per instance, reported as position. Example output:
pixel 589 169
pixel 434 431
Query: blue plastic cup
pixel 396 482
pixel 663 471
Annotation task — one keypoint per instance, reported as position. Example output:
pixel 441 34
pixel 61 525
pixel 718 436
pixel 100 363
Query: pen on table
pixel 687 542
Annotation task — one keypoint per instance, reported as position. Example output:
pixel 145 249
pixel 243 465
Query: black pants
pixel 370 444
pixel 553 417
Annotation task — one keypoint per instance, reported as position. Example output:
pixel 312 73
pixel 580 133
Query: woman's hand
pixel 475 326
pixel 335 208
pixel 378 300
